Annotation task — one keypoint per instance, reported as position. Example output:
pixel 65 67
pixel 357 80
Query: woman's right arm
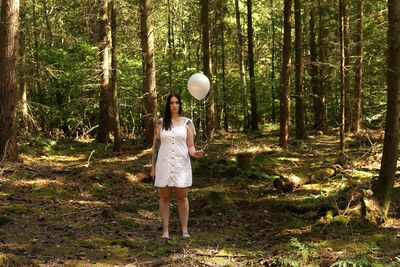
pixel 155 148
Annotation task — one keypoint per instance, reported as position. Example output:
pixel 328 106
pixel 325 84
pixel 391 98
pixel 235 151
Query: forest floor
pixel 75 203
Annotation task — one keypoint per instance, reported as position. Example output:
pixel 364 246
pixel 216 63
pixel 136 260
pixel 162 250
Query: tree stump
pixel 371 209
pixel 244 160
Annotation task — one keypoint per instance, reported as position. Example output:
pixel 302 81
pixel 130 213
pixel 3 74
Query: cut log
pixel 291 183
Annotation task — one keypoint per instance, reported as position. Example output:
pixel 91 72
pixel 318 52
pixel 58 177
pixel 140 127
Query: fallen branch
pixel 5 152
pixel 221 255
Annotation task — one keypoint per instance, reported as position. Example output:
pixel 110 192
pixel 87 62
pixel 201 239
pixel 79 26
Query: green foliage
pixel 303 255
pixel 352 263
pixel 5 219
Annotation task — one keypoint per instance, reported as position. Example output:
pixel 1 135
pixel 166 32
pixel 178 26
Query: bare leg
pixel 165 193
pixel 183 208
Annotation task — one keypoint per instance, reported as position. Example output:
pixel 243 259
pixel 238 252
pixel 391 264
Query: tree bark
pixel 342 74
pixel 170 48
pixel 205 27
pixel 313 70
pixel 241 66
pixel 321 120
pixel 114 86
pixel 358 67
pixel 273 109
pixel 149 69
pixel 224 95
pixel 9 24
pixel 106 97
pixel 23 83
pixel 285 77
pixel 300 125
pixel 384 186
pixel 253 92
pixel 48 24
pixel 346 67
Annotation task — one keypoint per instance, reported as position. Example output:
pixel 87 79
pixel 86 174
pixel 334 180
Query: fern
pixel 352 263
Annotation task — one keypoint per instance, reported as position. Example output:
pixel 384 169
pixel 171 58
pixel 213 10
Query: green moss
pixel 341 219
pixel 46 192
pixel 17 209
pixel 161 251
pixel 4 220
pixel 119 251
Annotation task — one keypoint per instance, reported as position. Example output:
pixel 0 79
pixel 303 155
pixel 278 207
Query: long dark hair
pixel 167 122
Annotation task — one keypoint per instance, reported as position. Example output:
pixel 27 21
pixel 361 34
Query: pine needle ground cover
pixel 71 203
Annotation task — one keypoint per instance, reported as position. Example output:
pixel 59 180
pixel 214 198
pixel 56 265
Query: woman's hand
pixel 153 172
pixel 197 154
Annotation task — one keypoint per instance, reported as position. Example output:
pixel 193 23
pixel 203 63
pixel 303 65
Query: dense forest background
pixel 60 68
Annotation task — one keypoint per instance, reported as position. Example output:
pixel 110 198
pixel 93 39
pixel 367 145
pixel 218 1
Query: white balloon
pixel 198 86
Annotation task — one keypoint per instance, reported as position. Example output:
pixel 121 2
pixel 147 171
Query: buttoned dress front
pixel 173 167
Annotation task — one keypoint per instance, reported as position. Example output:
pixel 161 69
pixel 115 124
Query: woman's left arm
pixel 190 142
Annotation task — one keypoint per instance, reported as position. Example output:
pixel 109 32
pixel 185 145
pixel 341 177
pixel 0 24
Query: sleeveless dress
pixel 173 167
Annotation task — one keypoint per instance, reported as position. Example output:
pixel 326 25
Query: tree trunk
pixel 170 48
pixel 342 74
pixel 9 24
pixel 48 23
pixel 38 87
pixel 106 96
pixel 346 68
pixel 241 66
pixel 300 127
pixel 358 68
pixel 253 92
pixel 215 36
pixel 285 77
pixel 321 120
pixel 149 69
pixel 314 69
pixel 346 65
pixel 205 27
pixel 23 83
pixel 384 186
pixel 273 110
pixel 224 96
pixel 114 86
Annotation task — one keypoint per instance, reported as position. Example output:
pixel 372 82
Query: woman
pixel 173 142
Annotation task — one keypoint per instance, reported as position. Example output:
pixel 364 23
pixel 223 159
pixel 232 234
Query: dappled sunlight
pixel 88 203
pixel 38 183
pixel 105 210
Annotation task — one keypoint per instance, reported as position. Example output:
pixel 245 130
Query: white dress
pixel 173 167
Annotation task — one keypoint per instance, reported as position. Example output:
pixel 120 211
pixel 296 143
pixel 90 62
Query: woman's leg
pixel 183 208
pixel 165 193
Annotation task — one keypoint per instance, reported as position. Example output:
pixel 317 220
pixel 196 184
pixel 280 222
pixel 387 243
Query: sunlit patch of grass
pixel 64 158
pixel 39 183
pixel 361 174
pixel 287 159
pixel 89 203
pixel 147 214
pixel 4 194
pixel 270 127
